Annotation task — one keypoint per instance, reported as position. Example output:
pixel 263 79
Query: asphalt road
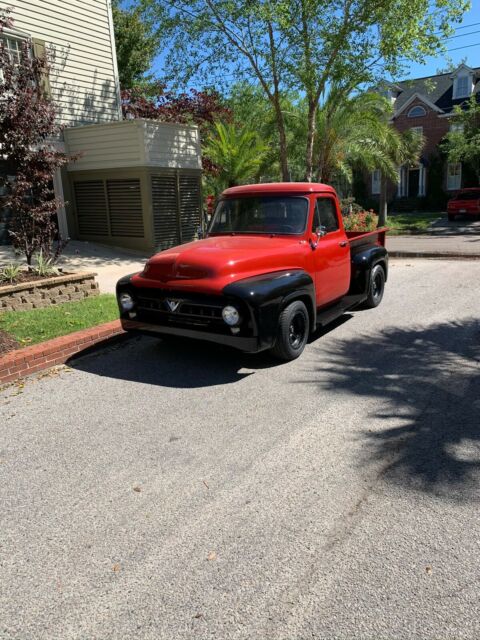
pixel 160 492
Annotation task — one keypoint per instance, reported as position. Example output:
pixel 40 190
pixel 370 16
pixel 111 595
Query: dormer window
pixel 462 86
pixel 417 112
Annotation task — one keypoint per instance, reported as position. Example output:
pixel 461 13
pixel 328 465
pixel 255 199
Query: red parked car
pixel 465 203
pixel 276 263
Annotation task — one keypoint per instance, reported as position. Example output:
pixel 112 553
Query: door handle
pixel 343 243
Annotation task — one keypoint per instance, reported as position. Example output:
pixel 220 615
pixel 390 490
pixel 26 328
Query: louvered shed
pixel 135 184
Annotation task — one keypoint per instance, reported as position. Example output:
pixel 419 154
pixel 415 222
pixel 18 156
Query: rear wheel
pixel 293 331
pixel 451 217
pixel 376 287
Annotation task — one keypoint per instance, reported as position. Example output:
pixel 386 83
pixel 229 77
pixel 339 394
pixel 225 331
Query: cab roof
pixel 272 188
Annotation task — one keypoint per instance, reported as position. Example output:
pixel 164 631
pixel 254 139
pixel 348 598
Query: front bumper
pixel 248 344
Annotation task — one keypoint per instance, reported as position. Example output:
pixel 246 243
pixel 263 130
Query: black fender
pixel 266 295
pixel 125 280
pixel 362 261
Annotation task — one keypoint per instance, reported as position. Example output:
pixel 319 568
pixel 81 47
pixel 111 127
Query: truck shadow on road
pixel 426 382
pixel 180 363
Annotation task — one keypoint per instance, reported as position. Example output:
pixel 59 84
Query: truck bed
pixel 360 238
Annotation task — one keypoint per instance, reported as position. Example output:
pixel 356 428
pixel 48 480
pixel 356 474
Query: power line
pixel 462 35
pixel 467 46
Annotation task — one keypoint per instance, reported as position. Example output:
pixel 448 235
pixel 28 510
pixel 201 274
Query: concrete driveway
pixel 109 263
pixel 177 492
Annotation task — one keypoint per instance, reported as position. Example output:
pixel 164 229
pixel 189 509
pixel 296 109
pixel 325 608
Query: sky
pixel 462 46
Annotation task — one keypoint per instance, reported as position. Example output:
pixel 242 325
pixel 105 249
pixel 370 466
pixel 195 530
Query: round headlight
pixel 230 315
pixel 126 302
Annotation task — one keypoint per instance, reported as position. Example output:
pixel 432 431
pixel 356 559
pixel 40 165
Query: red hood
pixel 211 264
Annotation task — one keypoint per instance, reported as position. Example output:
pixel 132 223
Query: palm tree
pixel 237 152
pixel 404 148
pixel 354 132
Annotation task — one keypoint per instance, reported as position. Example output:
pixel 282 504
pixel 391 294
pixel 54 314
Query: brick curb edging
pixel 23 362
pixel 434 254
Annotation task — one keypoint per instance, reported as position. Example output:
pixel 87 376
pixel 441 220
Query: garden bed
pixel 38 292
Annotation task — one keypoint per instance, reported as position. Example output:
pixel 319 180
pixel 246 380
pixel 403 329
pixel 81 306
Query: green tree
pixel 137 41
pixel 304 45
pixel 462 143
pixel 237 154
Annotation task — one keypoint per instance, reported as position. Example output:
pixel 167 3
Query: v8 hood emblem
pixel 173 304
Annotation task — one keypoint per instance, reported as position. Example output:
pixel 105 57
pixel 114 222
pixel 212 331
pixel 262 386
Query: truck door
pixel 332 254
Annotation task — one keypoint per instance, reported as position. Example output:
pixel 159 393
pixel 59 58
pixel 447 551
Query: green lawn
pixel 37 325
pixel 399 223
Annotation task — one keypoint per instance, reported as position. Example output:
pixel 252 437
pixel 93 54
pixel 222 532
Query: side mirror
pixel 321 231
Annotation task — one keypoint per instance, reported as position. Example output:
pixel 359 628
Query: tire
pixel 451 217
pixel 376 287
pixel 293 331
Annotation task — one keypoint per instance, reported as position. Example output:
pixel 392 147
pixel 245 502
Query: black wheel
pixel 293 331
pixel 376 287
pixel 451 217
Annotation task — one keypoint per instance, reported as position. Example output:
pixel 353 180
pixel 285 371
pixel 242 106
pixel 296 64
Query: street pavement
pixel 171 492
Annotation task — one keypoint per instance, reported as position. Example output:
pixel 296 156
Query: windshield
pixel 285 215
pixel 468 195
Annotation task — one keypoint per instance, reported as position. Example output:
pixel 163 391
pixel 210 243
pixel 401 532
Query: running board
pixel 325 316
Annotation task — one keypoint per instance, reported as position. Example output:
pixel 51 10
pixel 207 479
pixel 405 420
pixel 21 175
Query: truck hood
pixel 211 264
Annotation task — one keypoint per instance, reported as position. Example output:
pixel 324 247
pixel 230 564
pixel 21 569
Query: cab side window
pixel 325 215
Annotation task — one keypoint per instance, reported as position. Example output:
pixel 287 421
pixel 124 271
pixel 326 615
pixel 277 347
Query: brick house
pixel 427 104
pixel 137 183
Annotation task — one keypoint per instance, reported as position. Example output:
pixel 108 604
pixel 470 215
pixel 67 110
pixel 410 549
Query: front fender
pixel 266 295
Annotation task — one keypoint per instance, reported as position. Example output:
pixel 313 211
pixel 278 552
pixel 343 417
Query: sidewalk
pixel 434 246
pixel 109 263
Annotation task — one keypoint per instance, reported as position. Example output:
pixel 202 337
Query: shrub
pixel 27 129
pixel 45 266
pixel 361 221
pixel 9 273
pixel 348 206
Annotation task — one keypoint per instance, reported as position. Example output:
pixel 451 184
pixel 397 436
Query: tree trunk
pixel 282 136
pixel 312 114
pixel 382 210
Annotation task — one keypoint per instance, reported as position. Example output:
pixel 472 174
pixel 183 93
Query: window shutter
pixel 165 211
pixel 91 207
pixel 189 205
pixel 125 208
pixel 40 52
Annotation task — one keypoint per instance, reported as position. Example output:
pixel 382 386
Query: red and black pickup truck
pixel 275 263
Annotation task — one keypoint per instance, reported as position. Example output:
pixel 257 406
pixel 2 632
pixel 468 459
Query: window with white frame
pixel 456 127
pixel 13 46
pixel 417 112
pixel 376 178
pixel 454 176
pixel 462 86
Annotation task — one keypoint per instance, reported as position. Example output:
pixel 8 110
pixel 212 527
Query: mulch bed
pixel 27 276
pixel 7 343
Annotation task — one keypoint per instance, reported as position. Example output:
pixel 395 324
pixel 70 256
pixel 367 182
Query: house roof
pixel 436 89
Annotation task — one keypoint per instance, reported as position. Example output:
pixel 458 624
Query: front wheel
pixel 376 287
pixel 293 331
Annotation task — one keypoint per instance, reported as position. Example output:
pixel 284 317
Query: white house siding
pixel 106 146
pixel 134 143
pixel 171 145
pixel 83 79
